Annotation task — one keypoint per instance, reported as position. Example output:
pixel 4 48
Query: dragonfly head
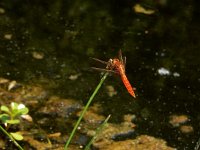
pixel 112 63
pixel 115 61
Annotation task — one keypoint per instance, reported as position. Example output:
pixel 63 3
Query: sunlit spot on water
pixel 163 71
pixel 176 74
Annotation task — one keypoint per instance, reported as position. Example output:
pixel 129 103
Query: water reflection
pixel 53 41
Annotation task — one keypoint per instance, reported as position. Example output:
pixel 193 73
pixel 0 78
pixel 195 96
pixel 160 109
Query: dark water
pixel 67 33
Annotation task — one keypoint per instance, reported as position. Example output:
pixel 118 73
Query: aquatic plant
pixel 98 130
pixel 10 116
pixel 85 109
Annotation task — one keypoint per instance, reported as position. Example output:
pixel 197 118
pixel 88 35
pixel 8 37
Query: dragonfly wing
pixel 124 62
pixel 120 55
pixel 122 59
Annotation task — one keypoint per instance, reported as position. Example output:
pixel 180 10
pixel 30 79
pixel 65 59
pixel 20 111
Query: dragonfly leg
pixel 101 61
pixel 104 70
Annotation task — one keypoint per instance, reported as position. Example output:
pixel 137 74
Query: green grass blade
pixel 85 109
pixel 97 132
pixel 14 141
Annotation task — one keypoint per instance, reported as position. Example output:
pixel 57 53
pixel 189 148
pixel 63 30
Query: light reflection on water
pixel 161 50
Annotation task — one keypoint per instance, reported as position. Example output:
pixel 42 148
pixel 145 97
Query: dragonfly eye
pixel 111 61
pixel 110 64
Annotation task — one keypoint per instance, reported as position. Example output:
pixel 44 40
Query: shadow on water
pixel 54 39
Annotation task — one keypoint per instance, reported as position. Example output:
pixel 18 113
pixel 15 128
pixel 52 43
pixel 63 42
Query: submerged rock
pixel 120 136
pixel 53 116
pixel 143 142
pixel 110 132
pixel 29 95
pixel 177 120
pixel 63 108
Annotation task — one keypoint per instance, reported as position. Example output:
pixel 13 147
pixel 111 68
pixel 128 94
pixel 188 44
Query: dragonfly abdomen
pixel 127 84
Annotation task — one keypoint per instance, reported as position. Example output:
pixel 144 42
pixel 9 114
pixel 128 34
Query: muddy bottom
pixel 53 118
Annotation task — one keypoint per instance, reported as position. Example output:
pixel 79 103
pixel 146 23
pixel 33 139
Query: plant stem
pixel 14 141
pixel 99 129
pixel 85 109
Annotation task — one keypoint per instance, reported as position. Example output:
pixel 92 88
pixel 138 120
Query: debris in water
pixel 37 55
pixel 163 71
pixel 57 134
pixel 177 120
pixel 176 74
pixel 111 91
pixel 11 85
pixel 186 129
pixel 140 9
pixel 3 80
pixel 74 77
pixel 8 36
pixel 2 11
pixel 27 118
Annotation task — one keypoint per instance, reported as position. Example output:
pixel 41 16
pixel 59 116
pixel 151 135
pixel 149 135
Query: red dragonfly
pixel 117 65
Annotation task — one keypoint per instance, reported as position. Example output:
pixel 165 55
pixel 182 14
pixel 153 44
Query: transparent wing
pixel 122 59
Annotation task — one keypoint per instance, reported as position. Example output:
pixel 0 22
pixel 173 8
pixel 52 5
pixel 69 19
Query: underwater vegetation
pixel 44 65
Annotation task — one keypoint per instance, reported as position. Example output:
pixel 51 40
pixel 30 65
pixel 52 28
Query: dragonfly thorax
pixel 117 65
pixel 113 64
